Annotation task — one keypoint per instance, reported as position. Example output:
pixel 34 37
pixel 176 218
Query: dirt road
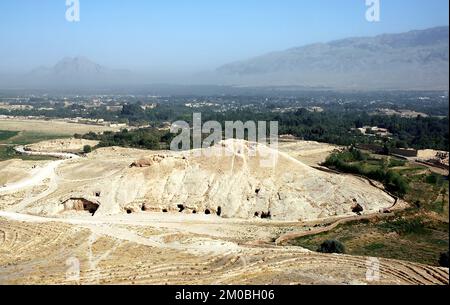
pixel 39 174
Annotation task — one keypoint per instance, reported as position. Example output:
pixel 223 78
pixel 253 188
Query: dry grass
pixel 50 127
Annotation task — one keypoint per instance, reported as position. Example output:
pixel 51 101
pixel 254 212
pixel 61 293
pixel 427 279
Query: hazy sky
pixel 190 35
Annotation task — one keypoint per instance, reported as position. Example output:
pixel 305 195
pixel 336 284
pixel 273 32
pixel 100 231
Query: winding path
pixel 283 239
pixel 40 174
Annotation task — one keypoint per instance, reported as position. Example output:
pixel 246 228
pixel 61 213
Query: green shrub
pixel 406 226
pixel 331 246
pixel 345 162
pixel 6 134
pixel 396 183
pixel 375 247
pixel 146 138
pixel 358 155
pixel 434 179
pixel 87 149
pixel 396 163
pixel 438 207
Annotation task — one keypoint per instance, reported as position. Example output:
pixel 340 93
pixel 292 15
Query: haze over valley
pixel 415 60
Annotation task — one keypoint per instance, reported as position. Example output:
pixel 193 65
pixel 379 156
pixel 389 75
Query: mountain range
pixel 416 60
pixel 412 60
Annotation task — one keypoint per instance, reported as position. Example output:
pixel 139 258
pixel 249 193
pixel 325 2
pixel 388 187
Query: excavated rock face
pixel 149 161
pixel 228 180
pixel 81 204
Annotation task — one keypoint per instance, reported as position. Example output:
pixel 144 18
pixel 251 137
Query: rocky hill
pixel 225 180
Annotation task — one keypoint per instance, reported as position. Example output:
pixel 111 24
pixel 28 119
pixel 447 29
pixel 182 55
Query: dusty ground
pixel 12 171
pixel 176 250
pixel 428 154
pixel 62 145
pixel 50 127
pixel 310 153
pixel 42 242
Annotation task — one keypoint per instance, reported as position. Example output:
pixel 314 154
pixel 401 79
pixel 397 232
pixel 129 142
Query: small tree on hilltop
pixel 87 149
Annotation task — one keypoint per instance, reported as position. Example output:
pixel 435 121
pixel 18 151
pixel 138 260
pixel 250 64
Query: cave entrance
pixel 267 215
pixel 181 208
pixel 90 207
pixel 219 211
pixel 81 204
pixel 207 212
pixel 357 209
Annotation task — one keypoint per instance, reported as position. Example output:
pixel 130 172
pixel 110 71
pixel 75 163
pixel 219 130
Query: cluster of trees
pixel 335 128
pixel 146 138
pixel 136 115
pixel 334 125
pixel 352 161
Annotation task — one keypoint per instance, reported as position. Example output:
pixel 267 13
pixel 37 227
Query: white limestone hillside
pixel 116 181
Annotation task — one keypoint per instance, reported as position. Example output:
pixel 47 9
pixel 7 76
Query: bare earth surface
pixel 137 217
pixel 16 170
pixel 310 153
pixel 50 127
pixel 63 145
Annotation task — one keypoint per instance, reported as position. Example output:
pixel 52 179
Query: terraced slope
pixel 32 252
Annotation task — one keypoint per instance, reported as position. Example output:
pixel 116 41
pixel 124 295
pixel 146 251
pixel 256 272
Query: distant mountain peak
pixel 77 65
pixel 76 72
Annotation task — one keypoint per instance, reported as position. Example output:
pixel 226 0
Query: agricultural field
pixel 52 127
pixel 6 134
